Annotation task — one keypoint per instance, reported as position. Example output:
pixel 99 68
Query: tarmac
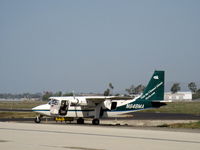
pixel 133 119
pixel 30 136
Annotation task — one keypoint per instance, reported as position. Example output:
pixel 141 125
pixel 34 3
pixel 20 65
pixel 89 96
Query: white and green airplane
pixel 98 107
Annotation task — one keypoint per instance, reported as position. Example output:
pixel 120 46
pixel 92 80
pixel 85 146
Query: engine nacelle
pixel 107 104
pixel 80 101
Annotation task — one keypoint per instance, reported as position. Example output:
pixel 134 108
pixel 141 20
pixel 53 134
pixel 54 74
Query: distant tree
pixel 139 89
pixel 111 87
pixel 175 88
pixel 107 92
pixel 46 96
pixel 58 94
pixel 192 86
pixel 135 90
pixel 130 90
pixel 68 94
pixel 24 95
pixel 196 95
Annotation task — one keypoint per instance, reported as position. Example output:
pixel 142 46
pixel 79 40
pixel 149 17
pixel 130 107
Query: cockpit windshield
pixel 53 102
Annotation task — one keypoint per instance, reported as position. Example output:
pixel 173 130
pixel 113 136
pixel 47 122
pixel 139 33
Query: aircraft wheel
pixel 80 121
pixel 37 119
pixel 95 121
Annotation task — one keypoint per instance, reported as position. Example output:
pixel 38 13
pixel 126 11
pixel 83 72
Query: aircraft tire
pixel 80 121
pixel 95 121
pixel 37 119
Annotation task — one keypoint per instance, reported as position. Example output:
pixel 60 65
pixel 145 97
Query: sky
pixel 81 46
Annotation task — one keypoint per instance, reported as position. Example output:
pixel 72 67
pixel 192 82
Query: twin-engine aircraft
pixel 98 107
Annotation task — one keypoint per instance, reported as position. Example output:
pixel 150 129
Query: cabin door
pixel 64 105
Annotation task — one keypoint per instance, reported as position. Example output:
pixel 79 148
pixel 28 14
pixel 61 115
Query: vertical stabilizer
pixel 155 88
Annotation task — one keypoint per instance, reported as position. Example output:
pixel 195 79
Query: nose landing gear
pixel 38 119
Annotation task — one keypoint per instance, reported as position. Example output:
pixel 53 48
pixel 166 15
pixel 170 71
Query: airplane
pixel 97 107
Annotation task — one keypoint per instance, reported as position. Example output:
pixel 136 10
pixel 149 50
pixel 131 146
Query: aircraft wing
pixel 100 99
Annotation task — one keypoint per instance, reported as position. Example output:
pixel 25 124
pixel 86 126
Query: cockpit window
pixel 53 102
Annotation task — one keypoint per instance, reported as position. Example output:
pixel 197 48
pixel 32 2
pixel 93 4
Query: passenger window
pixel 113 105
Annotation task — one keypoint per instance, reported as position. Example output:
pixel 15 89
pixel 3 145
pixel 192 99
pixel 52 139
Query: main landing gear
pixel 95 121
pixel 80 121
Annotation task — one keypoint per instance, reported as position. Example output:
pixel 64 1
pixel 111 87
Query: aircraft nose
pixel 40 108
pixel 35 108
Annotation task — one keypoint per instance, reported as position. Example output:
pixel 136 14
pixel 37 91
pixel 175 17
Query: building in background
pixel 179 96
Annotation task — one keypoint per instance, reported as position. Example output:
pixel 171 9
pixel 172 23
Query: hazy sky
pixel 52 45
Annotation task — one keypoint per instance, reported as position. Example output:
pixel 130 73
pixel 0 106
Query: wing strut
pixel 97 111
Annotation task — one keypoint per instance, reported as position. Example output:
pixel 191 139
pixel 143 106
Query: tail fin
pixel 155 88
